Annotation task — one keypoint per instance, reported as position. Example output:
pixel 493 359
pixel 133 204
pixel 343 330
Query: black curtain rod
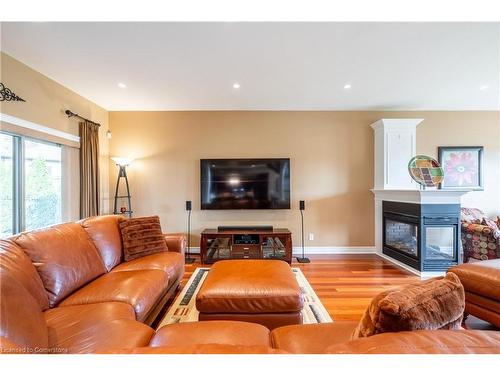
pixel 71 114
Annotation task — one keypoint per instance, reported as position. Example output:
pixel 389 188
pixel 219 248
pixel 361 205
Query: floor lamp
pixel 188 259
pixel 122 163
pixel 303 259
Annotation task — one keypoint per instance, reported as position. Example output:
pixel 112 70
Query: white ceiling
pixel 280 66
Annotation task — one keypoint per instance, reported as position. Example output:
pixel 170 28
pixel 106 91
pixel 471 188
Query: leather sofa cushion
pixel 311 338
pixel 423 342
pixel 64 256
pixel 105 233
pixel 98 336
pixel 220 332
pixel 100 326
pixel 269 320
pixel 249 286
pixel 21 318
pixel 481 278
pixel 15 262
pixel 425 305
pixel 68 318
pixel 142 236
pixel 140 289
pixel 200 349
pixel 169 262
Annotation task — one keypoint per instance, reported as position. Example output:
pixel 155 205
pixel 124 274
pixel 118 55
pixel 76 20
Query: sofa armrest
pixel 176 242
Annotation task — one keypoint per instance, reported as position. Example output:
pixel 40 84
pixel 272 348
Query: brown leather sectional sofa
pixel 481 281
pixel 212 337
pixel 65 289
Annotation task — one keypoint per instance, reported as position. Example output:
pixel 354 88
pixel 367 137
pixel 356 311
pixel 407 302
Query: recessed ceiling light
pixel 484 87
pixel 347 86
pixel 236 85
pixel 122 85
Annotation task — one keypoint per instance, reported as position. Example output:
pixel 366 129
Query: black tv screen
pixel 233 184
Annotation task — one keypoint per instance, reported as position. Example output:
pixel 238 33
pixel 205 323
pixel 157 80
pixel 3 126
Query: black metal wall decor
pixel 6 95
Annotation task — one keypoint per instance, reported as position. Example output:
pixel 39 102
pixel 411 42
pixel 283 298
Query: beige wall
pixel 467 129
pixel 331 156
pixel 46 101
pixel 331 163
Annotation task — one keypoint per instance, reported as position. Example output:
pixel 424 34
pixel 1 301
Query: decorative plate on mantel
pixel 425 170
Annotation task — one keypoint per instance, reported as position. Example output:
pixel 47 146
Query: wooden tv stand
pixel 238 244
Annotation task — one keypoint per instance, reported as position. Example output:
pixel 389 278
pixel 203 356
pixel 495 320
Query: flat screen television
pixel 234 184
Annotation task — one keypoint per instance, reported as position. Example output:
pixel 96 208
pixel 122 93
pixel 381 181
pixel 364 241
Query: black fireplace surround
pixel 422 236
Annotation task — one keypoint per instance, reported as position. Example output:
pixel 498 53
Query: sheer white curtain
pixel 70 183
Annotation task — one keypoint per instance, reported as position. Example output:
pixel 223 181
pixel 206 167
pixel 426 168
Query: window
pixel 30 179
pixel 6 185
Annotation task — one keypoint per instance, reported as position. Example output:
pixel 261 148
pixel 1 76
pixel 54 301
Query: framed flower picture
pixel 462 167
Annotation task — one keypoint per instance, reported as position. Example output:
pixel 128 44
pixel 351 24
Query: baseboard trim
pixel 319 250
pixel 422 275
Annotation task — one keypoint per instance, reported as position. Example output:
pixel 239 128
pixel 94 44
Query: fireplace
pixel 423 236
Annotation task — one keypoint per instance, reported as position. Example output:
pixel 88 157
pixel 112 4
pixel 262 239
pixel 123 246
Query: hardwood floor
pixel 345 284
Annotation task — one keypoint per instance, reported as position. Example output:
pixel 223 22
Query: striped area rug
pixel 184 307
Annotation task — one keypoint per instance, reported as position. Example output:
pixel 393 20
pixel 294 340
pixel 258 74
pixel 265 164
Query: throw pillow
pixel 432 304
pixel 142 236
pixel 471 215
pixel 492 225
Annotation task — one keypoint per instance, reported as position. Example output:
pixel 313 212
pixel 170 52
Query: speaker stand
pixel 303 259
pixel 188 259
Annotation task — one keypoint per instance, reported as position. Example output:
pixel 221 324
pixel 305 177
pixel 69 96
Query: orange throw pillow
pixel 142 236
pixel 425 305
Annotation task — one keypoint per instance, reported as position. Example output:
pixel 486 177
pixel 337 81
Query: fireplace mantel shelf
pixel 420 196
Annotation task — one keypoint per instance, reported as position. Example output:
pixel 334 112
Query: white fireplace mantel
pixel 420 196
pixel 395 145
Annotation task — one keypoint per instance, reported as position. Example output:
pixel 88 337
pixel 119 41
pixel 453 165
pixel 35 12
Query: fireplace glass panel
pixel 440 243
pixel 402 236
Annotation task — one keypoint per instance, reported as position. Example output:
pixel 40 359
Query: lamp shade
pixel 123 162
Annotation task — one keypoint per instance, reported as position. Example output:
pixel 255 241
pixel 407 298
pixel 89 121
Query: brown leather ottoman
pixel 481 281
pixel 257 291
